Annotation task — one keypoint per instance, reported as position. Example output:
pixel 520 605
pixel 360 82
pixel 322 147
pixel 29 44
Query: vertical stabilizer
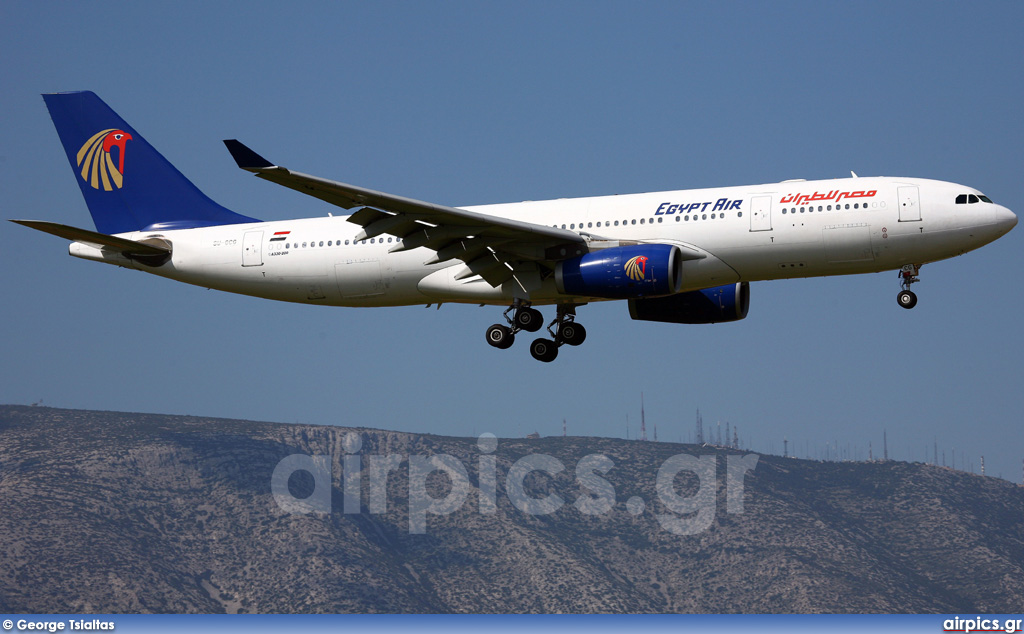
pixel 127 184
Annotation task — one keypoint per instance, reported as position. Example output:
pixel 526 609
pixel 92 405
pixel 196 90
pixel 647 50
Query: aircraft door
pixel 761 213
pixel 910 204
pixel 252 248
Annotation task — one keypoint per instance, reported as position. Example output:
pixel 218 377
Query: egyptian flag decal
pixel 279 236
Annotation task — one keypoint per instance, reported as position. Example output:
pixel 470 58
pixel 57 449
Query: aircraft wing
pixel 494 248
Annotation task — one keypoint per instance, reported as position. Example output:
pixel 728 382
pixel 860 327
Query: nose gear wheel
pixel 908 275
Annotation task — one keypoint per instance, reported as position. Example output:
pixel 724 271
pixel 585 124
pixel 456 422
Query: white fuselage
pixel 761 232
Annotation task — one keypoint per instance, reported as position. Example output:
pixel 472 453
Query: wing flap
pixel 397 225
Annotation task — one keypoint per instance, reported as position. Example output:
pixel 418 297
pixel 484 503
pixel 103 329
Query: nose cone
pixel 1005 219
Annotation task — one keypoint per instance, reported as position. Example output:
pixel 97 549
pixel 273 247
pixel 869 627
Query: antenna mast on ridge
pixel 643 423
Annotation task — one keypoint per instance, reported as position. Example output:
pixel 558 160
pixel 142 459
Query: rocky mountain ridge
pixel 118 512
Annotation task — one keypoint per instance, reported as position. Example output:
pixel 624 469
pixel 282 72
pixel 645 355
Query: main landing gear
pixel 525 318
pixel 563 330
pixel 908 275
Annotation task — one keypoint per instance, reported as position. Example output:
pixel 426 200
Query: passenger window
pixel 346 242
pixel 634 220
pixel 616 223
pixel 641 221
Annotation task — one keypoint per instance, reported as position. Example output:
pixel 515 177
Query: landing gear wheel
pixel 529 319
pixel 572 333
pixel 907 299
pixel 501 337
pixel 908 275
pixel 544 350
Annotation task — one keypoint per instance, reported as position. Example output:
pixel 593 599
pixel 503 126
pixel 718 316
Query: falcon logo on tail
pixel 97 167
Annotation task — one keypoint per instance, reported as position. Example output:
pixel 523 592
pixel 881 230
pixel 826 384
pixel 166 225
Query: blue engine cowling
pixel 645 270
pixel 706 306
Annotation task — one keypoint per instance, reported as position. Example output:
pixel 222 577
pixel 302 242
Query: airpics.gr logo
pixel 98 168
pixel 636 268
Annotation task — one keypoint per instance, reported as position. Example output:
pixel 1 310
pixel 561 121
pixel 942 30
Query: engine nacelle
pixel 644 270
pixel 706 306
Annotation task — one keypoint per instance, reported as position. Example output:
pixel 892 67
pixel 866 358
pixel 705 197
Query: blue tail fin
pixel 127 184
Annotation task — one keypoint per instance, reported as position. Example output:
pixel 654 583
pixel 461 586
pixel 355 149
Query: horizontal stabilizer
pixel 127 247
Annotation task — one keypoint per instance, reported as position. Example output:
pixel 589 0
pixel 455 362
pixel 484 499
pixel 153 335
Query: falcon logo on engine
pixel 636 268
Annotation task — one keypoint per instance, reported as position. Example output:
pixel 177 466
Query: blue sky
pixel 474 103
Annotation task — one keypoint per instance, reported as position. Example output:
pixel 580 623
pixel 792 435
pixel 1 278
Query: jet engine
pixel 644 270
pixel 706 306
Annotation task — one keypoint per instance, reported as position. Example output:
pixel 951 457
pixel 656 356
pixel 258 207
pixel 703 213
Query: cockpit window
pixel 970 199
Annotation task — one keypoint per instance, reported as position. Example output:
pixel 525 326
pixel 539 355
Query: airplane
pixel 682 257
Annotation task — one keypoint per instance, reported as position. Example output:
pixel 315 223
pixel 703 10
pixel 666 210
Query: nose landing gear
pixel 908 275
